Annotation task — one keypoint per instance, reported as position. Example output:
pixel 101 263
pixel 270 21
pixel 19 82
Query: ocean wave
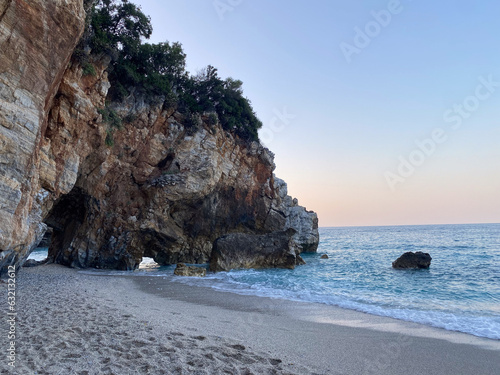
pixel 487 326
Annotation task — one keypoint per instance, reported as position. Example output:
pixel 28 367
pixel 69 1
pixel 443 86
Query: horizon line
pixel 402 225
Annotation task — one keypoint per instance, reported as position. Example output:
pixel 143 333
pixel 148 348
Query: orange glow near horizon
pixel 427 202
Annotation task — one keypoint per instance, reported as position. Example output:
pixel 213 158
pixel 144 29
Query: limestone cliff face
pixel 161 190
pixel 37 38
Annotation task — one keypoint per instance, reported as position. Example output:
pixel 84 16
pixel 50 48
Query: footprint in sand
pixel 237 347
pixel 164 349
pixel 139 344
pixel 176 334
pixel 201 338
pixel 72 355
pixel 179 344
pixel 209 356
pixel 274 361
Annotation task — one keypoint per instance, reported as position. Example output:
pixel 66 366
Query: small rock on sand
pixel 183 270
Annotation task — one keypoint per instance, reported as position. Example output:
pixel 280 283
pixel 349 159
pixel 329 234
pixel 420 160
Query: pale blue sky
pixel 352 120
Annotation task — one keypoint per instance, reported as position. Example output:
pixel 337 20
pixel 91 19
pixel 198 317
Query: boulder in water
pixel 244 250
pixel 413 260
pixel 324 256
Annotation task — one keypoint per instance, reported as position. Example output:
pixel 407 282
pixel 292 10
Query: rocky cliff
pixel 113 193
pixel 37 39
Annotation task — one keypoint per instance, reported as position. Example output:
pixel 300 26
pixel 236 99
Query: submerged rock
pixel 183 270
pixel 242 250
pixel 412 260
pixel 324 256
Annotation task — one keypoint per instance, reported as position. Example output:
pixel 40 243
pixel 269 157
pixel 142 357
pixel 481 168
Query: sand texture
pixel 73 322
pixel 70 323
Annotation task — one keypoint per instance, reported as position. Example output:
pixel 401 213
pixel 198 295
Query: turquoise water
pixel 460 291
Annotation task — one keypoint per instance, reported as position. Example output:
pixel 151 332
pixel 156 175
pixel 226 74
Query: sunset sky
pixel 379 112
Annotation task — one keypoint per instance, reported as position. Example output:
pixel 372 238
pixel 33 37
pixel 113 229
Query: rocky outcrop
pixel 297 217
pixel 240 250
pixel 183 270
pixel 413 260
pixel 37 39
pixel 113 194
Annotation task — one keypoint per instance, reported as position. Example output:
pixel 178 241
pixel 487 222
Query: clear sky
pixel 379 112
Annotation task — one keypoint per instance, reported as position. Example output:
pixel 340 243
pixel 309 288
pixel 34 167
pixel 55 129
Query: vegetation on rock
pixel 118 28
pixel 111 118
pixel 88 69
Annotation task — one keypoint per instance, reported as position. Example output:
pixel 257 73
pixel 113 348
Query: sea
pixel 459 292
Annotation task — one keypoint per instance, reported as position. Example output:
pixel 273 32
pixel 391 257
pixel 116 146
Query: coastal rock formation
pixel 37 39
pixel 413 260
pixel 324 256
pixel 240 250
pixel 183 270
pixel 151 186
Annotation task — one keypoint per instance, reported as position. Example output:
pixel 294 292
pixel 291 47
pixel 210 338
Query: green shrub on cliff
pixel 88 69
pixel 110 141
pixel 117 28
pixel 110 117
pixel 153 69
pixel 206 92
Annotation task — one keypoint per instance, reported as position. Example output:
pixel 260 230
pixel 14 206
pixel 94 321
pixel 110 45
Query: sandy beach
pixel 75 322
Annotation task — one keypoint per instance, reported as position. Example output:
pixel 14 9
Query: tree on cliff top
pixel 206 92
pixel 118 28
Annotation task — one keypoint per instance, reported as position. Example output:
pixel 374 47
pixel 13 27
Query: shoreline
pixel 332 314
pixel 72 322
pixel 461 325
pixel 314 312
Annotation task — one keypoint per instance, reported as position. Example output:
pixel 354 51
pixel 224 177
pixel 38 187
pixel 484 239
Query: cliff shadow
pixel 65 218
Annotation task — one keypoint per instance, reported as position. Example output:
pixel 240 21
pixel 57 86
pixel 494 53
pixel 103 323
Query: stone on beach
pixel 412 260
pixel 183 270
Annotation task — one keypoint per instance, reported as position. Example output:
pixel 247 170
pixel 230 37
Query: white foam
pixel 481 326
pixel 40 253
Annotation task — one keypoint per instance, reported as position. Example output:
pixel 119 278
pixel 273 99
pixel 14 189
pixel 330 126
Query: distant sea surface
pixel 459 292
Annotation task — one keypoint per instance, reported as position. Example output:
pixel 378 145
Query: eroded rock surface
pixel 162 190
pixel 193 271
pixel 37 39
pixel 241 250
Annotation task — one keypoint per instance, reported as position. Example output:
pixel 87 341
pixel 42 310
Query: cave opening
pixel 65 218
pixel 158 247
pixel 148 264
pixel 40 251
pixel 167 162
